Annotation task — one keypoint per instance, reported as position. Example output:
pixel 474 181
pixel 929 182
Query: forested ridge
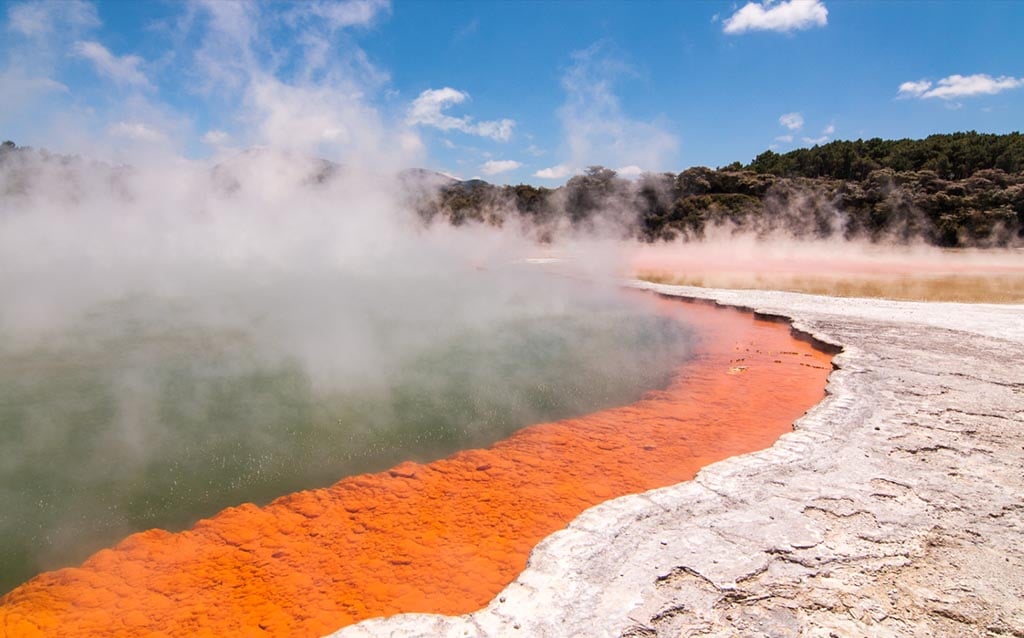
pixel 955 156
pixel 961 189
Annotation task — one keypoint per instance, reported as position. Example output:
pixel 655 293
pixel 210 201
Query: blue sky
pixel 508 91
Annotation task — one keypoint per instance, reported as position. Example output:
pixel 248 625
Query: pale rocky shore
pixel 895 508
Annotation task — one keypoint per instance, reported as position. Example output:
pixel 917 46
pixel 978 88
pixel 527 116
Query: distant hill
pixel 424 178
pixel 955 156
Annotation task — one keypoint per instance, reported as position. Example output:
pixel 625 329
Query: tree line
pixel 953 156
pixel 961 189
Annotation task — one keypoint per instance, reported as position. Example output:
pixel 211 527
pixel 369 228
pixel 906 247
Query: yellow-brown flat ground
pixel 908 275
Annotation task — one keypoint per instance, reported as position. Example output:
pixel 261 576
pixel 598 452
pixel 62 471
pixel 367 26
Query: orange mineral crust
pixel 443 537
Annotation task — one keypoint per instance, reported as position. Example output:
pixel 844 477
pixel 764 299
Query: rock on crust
pixel 895 508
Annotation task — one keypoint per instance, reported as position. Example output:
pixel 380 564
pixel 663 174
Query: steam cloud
pixel 168 327
pixel 168 323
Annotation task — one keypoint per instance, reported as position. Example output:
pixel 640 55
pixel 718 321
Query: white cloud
pixel 23 93
pixel 346 13
pixel 243 41
pixel 914 89
pixel 428 110
pixel 555 172
pixel 815 140
pixel 792 121
pixel 297 83
pixel 535 150
pixel 13 83
pixel 29 19
pixel 226 57
pixel 500 130
pixel 782 17
pixel 216 138
pixel 493 167
pixel 34 19
pixel 630 171
pixel 957 86
pixel 137 131
pixel 123 70
pixel 829 130
pixel 788 139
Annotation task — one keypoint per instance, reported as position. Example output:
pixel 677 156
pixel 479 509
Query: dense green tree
pixel 952 156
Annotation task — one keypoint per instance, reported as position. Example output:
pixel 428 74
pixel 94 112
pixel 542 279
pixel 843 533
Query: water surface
pixel 154 411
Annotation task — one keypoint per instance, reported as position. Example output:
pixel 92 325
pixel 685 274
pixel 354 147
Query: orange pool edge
pixel 443 537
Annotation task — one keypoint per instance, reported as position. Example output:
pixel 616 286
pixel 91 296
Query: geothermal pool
pixel 149 413
pixel 447 535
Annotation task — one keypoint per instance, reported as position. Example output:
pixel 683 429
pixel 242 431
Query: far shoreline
pixel 839 270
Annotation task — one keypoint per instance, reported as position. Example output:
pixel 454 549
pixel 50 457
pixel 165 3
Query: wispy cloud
pixel 342 14
pixel 792 121
pixel 824 137
pixel 123 70
pixel 493 167
pixel 216 138
pixel 35 19
pixel 791 15
pixel 138 132
pixel 560 171
pixel 291 79
pixel 428 110
pixel 785 139
pixel 914 89
pixel 467 30
pixel 596 128
pixel 289 75
pixel 958 86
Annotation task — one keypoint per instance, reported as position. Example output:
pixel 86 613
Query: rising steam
pixel 178 335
